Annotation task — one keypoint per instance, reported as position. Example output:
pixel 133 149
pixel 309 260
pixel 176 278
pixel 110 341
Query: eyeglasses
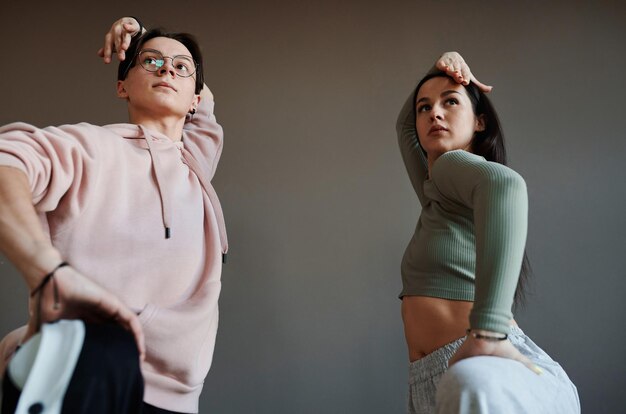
pixel 153 60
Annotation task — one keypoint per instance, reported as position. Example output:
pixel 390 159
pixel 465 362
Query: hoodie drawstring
pixel 210 191
pixel 166 209
pixel 158 173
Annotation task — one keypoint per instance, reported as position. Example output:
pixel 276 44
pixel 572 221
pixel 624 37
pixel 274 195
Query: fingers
pixel 508 350
pixel 126 37
pixel 112 308
pixel 503 349
pixel 118 38
pixel 528 363
pixel 107 48
pixel 130 322
pixel 450 62
pixel 82 298
pixel 453 64
pixel 118 34
pixel 481 86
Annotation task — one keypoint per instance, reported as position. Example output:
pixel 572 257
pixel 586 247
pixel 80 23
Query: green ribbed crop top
pixel 470 237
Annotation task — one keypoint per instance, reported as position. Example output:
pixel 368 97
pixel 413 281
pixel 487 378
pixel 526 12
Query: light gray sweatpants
pixel 490 384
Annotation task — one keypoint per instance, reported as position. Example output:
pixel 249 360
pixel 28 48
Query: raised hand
pixel 454 65
pixel 117 39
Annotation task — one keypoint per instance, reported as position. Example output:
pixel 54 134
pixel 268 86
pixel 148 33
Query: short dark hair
pixel 490 145
pixel 188 40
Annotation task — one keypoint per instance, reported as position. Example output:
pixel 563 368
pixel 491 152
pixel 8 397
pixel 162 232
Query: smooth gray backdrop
pixel 318 206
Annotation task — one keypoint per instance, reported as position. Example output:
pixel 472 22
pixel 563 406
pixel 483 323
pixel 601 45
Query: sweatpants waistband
pixel 436 362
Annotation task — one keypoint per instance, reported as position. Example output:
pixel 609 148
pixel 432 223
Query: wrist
pixel 142 28
pixel 39 263
pixel 486 335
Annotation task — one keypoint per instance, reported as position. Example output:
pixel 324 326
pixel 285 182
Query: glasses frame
pixel 137 63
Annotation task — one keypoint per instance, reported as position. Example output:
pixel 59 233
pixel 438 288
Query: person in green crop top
pixel 462 265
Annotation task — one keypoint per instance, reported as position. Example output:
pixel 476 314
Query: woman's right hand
pixel 81 298
pixel 118 38
pixel 454 65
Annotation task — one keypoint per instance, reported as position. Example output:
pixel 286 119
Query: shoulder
pixel 460 172
pixel 464 162
pixel 54 134
pixel 95 136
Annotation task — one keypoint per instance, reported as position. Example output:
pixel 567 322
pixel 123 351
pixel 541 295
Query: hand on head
pixel 454 65
pixel 118 38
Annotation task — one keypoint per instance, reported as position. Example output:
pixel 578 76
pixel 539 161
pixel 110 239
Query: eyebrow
pixel 444 93
pixel 162 54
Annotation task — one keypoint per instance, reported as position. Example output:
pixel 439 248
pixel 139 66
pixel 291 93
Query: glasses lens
pixel 151 60
pixel 184 66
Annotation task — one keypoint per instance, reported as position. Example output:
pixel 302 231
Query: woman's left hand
pixel 479 347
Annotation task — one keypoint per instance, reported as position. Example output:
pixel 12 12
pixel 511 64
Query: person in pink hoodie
pixel 120 222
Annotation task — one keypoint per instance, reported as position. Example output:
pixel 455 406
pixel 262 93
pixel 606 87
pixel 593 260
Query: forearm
pixel 501 220
pixel 412 153
pixel 22 239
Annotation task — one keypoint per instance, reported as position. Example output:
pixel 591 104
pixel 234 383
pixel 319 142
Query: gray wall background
pixel 318 206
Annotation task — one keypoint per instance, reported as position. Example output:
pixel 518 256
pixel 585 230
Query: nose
pixel 167 67
pixel 436 113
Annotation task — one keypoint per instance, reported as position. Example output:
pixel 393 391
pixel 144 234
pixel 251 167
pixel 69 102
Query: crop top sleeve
pixel 498 198
pixel 412 153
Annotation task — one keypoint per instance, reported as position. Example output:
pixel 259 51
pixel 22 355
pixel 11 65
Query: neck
pixel 170 126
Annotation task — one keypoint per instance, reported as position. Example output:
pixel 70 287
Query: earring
pixel 193 111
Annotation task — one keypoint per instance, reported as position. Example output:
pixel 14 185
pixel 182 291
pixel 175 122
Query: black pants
pixel 106 380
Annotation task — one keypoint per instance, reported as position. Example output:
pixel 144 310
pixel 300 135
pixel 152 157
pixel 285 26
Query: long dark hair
pixel 189 41
pixel 490 145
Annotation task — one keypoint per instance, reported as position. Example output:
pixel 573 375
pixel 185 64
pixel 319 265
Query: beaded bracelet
pixel 490 338
pixel 45 281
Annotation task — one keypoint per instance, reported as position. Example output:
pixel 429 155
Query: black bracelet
pixel 490 338
pixel 45 281
pixel 141 27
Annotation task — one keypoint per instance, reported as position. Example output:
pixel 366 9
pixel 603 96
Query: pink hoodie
pixel 137 212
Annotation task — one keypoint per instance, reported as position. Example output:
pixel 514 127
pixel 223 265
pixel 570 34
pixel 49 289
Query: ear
pixel 195 102
pixel 121 91
pixel 480 123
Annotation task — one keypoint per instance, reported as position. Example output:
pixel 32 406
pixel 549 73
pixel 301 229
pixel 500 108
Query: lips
pixel 164 84
pixel 437 128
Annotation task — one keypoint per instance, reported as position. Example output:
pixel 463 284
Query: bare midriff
pixel 430 323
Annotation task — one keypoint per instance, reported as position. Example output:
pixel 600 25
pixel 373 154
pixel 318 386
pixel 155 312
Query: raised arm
pixel 413 156
pixel 412 153
pixel 498 198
